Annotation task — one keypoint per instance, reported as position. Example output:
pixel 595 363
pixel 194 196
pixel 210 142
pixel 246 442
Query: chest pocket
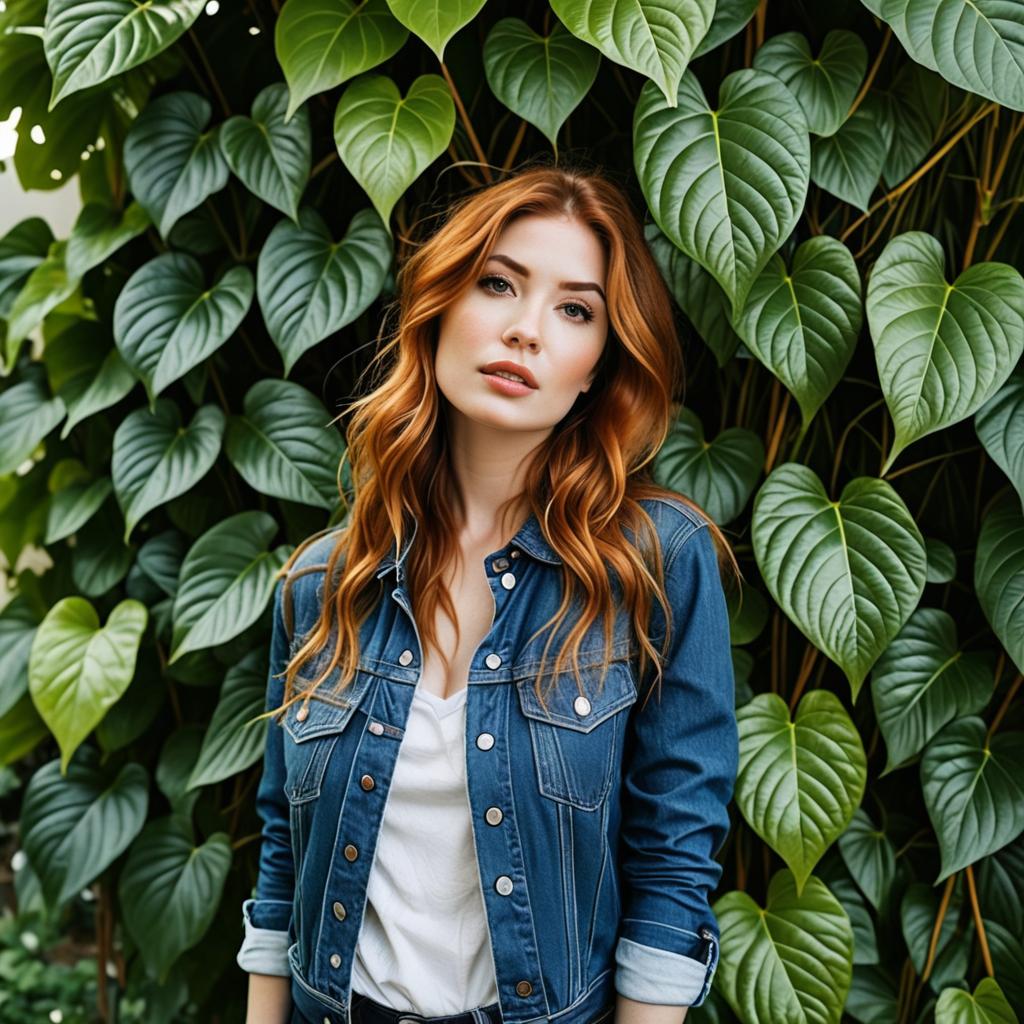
pixel 575 741
pixel 310 737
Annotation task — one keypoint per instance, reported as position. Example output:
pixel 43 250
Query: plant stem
pixel 466 123
pixel 218 92
pixel 869 79
pixel 986 955
pixel 516 143
pixel 1004 707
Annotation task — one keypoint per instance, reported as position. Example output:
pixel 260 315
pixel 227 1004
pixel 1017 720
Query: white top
pixel 424 946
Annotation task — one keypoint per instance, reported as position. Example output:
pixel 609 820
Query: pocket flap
pixel 325 712
pixel 565 706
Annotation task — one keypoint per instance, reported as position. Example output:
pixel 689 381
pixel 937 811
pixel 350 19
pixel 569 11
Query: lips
pixel 509 367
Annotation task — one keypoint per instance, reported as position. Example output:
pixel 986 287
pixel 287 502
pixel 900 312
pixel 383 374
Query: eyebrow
pixel 580 286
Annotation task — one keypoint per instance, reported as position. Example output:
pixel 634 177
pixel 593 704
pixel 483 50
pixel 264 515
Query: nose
pixel 522 330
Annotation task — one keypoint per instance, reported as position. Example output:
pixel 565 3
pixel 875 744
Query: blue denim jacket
pixel 597 876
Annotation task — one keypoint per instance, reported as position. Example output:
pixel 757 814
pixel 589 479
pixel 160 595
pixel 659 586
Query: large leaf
pixel 825 86
pixel 170 889
pixel 917 102
pixel 791 960
pixel 727 185
pixel 167 320
pixel 799 780
pixel 310 286
pixel 730 17
pixel 720 475
pixel 923 680
pixel 870 858
pixel 47 287
pixel 322 43
pixel 654 37
pixel 27 415
pixel 155 458
pixel 387 140
pixel 540 78
pixel 87 43
pixel 78 669
pixel 435 21
pixel 270 157
pixel 72 507
pixel 74 826
pixel 92 392
pixel 974 791
pixel 1000 426
pixel 171 162
pixel 943 349
pixel 987 1005
pixel 226 581
pixel 999 574
pixel 802 323
pixel 99 232
pixel 849 572
pixel 22 249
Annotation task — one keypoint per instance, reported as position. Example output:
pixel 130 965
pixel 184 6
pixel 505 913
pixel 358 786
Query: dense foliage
pixel 832 194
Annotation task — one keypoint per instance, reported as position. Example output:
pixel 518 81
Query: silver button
pixel 493 815
pixel 376 728
pixel 327 1020
pixel 581 706
pixel 503 885
pixel 513 554
pixel 499 563
pixel 335 960
pixel 485 741
pixel 339 910
pixel 493 660
pixel 302 713
pixel 405 657
pixel 508 580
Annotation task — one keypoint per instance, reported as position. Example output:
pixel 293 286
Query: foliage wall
pixel 832 193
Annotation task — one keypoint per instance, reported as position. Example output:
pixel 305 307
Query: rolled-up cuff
pixel 648 974
pixel 265 949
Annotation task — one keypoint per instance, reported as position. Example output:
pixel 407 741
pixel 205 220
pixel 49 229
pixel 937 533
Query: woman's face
pixel 538 303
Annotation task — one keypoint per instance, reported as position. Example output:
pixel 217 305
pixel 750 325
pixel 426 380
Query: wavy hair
pixel 583 483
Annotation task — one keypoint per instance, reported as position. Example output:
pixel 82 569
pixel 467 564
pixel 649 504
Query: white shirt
pixel 424 946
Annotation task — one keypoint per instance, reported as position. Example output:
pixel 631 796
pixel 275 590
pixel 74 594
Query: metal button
pixel 300 715
pixel 581 706
pixel 405 657
pixel 524 988
pixel 493 815
pixel 499 563
pixel 351 852
pixel 335 960
pixel 367 782
pixel 376 728
pixel 503 884
pixel 485 741
pixel 493 660
pixel 513 554
pixel 339 910
pixel 327 1020
pixel 508 580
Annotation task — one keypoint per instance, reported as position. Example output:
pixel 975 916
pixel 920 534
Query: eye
pixel 586 313
pixel 486 281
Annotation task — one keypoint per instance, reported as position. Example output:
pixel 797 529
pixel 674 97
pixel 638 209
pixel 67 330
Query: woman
pixel 543 848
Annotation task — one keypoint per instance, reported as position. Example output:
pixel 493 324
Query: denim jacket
pixel 597 873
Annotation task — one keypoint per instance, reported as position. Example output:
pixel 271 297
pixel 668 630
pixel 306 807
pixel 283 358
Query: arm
pixel 679 770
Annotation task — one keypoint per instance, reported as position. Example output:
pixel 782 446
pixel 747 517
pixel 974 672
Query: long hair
pixel 583 483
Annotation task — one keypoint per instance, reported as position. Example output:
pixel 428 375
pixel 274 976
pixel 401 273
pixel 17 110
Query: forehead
pixel 556 247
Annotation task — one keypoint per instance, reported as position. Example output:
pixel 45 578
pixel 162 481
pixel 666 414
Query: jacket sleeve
pixel 267 916
pixel 679 769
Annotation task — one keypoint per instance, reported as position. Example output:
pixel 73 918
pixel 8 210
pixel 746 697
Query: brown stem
pixel 986 954
pixel 222 230
pixel 873 71
pixel 776 437
pixel 514 148
pixel 466 123
pixel 322 165
pixel 994 244
pixel 760 17
pixel 810 657
pixel 940 916
pixel 930 459
pixel 842 440
pixel 1004 707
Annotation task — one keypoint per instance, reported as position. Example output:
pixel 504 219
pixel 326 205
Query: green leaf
pixel 72 507
pixel 865 942
pixel 281 445
pixel 165 860
pixel 1000 427
pixel 917 103
pixel 869 857
pixel 100 560
pixel 46 288
pixel 435 21
pixel 18 624
pixel 387 140
pixel 730 17
pixel 226 581
pixel 847 573
pixel 99 232
pixel 803 323
pixel 21 729
pixel 657 38
pixel 155 459
pixel 171 162
pixel 270 157
pixel 74 826
pixel 720 475
pixel 91 393
pixel 541 78
pixel 78 669
pixel 873 996
pixel 942 349
pixel 922 681
pixel 132 715
pixel 322 43
pixel 27 415
pixel 177 759
pixel 799 781
pixel 22 249
pixel 941 561
pixel 919 910
pixel 790 961
pixel 87 43
pixel 987 1005
pixel 728 185
pixel 999 573
pixel 310 286
pixel 166 320
pixel 974 791
pixel 825 86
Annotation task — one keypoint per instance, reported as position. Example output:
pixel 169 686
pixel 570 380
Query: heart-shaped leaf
pixel 171 162
pixel 802 323
pixel 942 349
pixel 310 286
pixel 923 680
pixel 435 21
pixel 987 1005
pixel 999 574
pixel 22 249
pixel 270 157
pixel 47 287
pixel 847 573
pixel 322 43
pixel 99 232
pixel 870 858
pixel 72 507
pixel 917 104
pixel 1000 426
pixel 720 475
pixel 78 669
pixel 74 826
pixel 166 319
pixel 92 392
pixel 825 86
pixel 799 781
pixel 791 960
pixel 27 415
pixel 387 140
pixel 726 185
pixel 730 17
pixel 540 78
pixel 974 791
pixel 155 459
pixel 226 580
